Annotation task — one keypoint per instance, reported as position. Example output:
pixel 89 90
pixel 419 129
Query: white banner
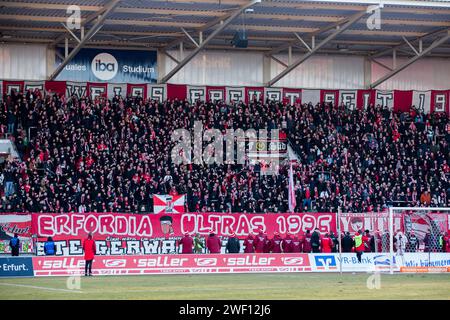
pixel 312 96
pixel 157 92
pixel 422 100
pixel 117 89
pixel 235 94
pixel 385 98
pixel 195 93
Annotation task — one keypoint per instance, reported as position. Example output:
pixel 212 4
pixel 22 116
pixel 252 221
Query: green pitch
pixel 232 286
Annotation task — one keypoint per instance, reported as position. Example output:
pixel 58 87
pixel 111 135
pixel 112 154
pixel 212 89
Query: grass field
pixel 232 286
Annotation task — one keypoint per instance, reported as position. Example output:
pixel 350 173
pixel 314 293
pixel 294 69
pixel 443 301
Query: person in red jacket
pixel 297 244
pixel 89 253
pixel 358 245
pixel 260 241
pixel 213 243
pixel 276 242
pixel 327 244
pixel 186 243
pixel 287 244
pixel 267 244
pixel 446 242
pixel 249 244
pixel 366 240
pixel 307 242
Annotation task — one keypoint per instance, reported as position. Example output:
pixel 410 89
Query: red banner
pixel 254 93
pixel 403 100
pixel 8 86
pixel 189 263
pixel 58 87
pixel 215 93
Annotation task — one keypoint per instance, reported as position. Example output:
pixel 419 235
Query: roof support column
pixel 289 55
pixel 111 6
pixel 367 72
pixel 267 64
pixel 394 59
pixel 66 47
pixel 337 32
pixel 207 40
pixel 181 50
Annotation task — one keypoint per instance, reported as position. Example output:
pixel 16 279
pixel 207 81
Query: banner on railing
pixel 398 100
pixel 373 221
pixel 422 222
pixel 19 224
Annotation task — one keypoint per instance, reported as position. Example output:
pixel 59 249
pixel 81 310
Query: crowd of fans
pixel 83 155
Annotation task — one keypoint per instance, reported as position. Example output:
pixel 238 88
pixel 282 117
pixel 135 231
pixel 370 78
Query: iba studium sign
pixel 110 65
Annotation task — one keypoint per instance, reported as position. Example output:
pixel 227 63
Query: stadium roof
pixel 272 26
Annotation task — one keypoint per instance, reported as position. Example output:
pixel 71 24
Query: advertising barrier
pixel 134 234
pixel 228 263
pixel 370 262
pixel 16 267
pixel 423 262
pixel 374 262
pixel 177 263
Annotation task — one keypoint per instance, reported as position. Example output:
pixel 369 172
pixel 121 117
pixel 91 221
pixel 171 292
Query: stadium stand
pixel 112 155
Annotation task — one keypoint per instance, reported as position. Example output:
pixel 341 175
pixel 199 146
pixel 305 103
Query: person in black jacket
pixel 233 245
pixel 372 244
pixel 14 243
pixel 347 243
pixel 315 241
pixel 49 247
pixel 413 242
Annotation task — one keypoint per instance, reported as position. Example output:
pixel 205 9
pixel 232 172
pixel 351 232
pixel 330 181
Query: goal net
pixel 405 236
pixel 419 229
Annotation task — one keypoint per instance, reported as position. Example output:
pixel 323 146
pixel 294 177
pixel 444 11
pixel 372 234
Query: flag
pixel 291 191
pixel 168 204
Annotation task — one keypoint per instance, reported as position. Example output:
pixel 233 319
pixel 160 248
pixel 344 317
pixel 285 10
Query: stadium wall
pixel 218 68
pixel 320 71
pixel 23 61
pixel 250 68
pixel 424 74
